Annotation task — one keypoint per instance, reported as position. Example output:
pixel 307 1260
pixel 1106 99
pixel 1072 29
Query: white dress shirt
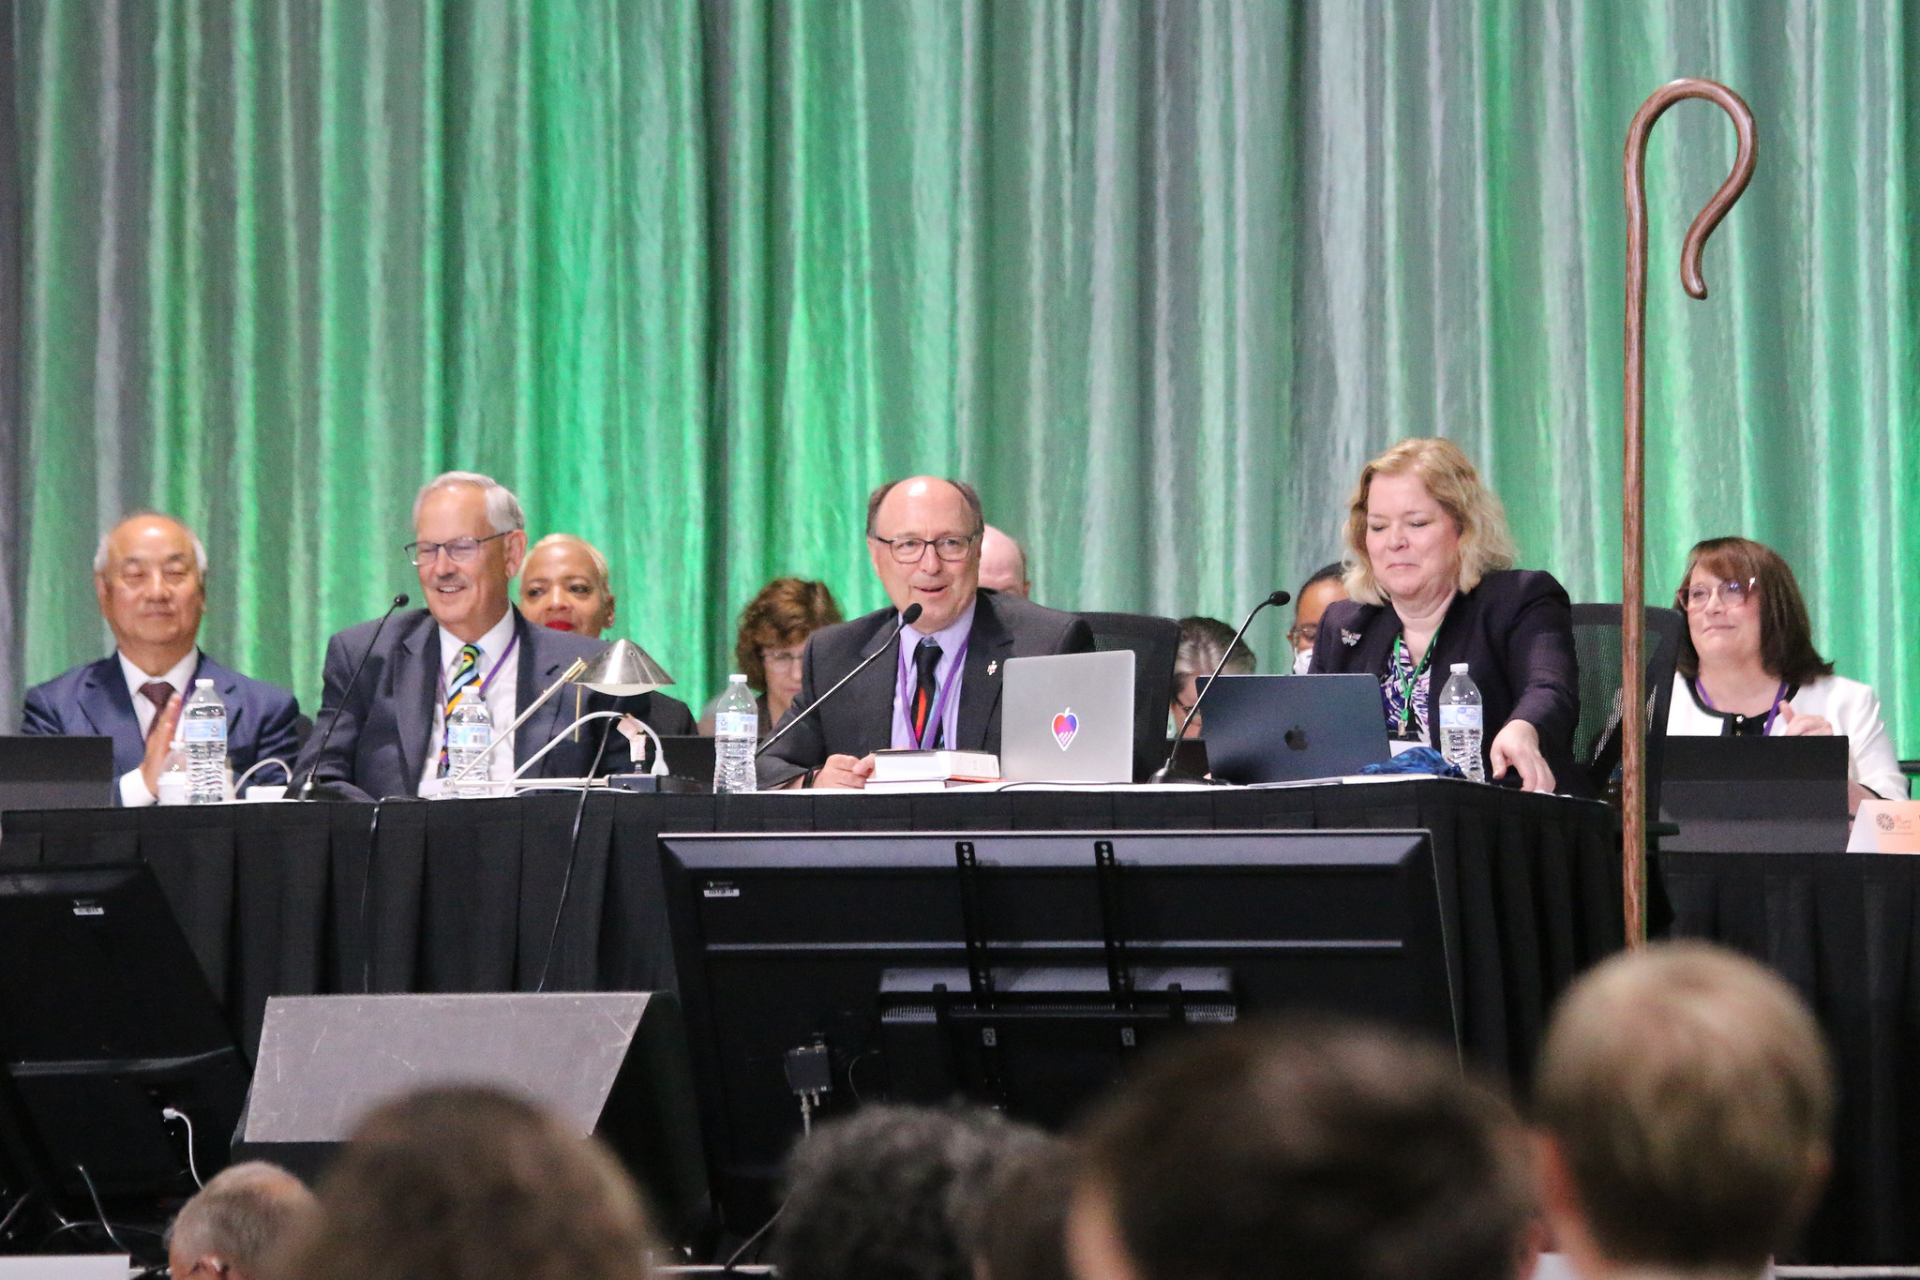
pixel 133 787
pixel 1853 709
pixel 503 699
pixel 950 638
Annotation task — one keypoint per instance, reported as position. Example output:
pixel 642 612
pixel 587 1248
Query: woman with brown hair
pixel 1430 576
pixel 1748 666
pixel 772 639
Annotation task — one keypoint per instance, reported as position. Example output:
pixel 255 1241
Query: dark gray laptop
pixel 1755 795
pixel 42 771
pixel 1292 728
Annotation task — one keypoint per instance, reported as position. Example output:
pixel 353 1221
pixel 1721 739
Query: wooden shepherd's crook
pixel 1633 551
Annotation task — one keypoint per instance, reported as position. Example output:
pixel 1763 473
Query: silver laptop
pixel 1067 718
pixel 1291 728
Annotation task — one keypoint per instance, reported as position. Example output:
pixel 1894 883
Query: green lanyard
pixel 1410 683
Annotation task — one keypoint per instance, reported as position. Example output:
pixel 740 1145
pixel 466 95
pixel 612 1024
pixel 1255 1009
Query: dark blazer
pixel 93 700
pixel 379 747
pixel 1515 633
pixel 860 717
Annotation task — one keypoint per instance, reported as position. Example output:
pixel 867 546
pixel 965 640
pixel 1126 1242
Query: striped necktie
pixel 466 674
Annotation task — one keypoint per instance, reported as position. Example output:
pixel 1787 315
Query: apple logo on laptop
pixel 1296 739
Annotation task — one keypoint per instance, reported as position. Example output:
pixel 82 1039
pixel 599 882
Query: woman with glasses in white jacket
pixel 1748 666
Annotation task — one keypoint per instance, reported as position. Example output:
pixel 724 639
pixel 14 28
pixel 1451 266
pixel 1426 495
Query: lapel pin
pixel 1349 638
pixel 993 666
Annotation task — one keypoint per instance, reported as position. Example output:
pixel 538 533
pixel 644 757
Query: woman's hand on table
pixel 1517 747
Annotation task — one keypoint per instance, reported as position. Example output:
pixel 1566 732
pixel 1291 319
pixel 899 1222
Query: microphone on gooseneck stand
pixel 399 602
pixel 908 616
pixel 1165 772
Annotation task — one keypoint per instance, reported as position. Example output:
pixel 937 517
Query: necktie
pixel 466 674
pixel 157 692
pixel 925 659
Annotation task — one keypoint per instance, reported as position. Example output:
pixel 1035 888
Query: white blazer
pixel 1852 707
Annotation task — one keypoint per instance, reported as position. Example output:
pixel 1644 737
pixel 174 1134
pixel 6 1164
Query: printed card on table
pixel 1886 826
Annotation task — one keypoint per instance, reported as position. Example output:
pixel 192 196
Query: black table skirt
pixel 1842 928
pixel 281 899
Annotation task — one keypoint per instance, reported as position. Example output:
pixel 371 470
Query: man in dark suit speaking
pixel 469 642
pixel 150 574
pixel 943 688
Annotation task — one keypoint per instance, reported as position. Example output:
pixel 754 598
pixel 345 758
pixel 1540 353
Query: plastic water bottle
pixel 1460 723
pixel 469 732
pixel 203 728
pixel 736 730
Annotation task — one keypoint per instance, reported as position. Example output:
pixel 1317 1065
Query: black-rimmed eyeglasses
pixel 909 550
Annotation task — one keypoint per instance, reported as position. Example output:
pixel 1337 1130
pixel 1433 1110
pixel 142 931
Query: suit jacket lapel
pixel 415 682
pixel 108 707
pixel 870 696
pixel 989 646
pixel 537 671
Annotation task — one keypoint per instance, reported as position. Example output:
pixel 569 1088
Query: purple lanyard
pixel 486 683
pixel 906 691
pixel 1779 696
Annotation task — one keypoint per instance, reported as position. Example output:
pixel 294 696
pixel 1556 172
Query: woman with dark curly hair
pixel 773 636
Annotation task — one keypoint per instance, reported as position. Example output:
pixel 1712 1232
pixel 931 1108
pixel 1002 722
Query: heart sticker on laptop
pixel 1065 725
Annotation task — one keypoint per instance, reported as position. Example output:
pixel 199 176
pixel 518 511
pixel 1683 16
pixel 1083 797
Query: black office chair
pixel 1596 741
pixel 1153 642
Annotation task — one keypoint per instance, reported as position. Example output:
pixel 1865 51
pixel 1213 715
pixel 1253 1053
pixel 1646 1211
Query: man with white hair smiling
pixel 150 575
pixel 469 642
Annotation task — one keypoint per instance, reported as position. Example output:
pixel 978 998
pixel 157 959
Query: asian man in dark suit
pixel 469 642
pixel 150 575
pixel 943 688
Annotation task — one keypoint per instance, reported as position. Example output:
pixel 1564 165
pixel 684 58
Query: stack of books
pixel 897 771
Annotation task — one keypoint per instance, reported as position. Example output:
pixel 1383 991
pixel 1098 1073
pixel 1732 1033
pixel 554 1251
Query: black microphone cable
pixel 573 853
pixel 1165 772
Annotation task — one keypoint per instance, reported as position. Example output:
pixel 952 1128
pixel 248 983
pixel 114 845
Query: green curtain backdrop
pixel 1158 278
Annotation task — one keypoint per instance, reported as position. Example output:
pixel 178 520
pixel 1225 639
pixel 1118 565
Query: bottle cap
pixel 1458 668
pixel 203 684
pixel 737 678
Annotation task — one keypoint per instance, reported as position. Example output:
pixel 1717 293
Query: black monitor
pixel 106 1023
pixel 1018 969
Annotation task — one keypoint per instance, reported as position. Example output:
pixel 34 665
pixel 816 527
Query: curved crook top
pixel 1651 110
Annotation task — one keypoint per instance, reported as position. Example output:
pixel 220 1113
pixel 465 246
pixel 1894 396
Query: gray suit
pixel 859 719
pixel 379 748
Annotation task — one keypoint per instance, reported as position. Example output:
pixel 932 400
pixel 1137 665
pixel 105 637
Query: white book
pixel 928 766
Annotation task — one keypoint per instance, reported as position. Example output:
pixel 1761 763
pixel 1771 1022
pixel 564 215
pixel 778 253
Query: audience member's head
pixel 1021 1230
pixel 237 1222
pixel 565 584
pixel 468 1183
pixel 150 573
pixel 1684 1098
pixel 892 1193
pixel 1202 641
pixel 923 534
pixel 1325 587
pixel 1305 1149
pixel 773 633
pixel 1003 564
pixel 470 537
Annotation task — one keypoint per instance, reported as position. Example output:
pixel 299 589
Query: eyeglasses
pixel 1304 633
pixel 460 550
pixel 781 657
pixel 1732 594
pixel 909 550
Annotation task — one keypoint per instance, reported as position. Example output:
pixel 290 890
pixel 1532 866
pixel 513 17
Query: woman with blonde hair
pixel 564 584
pixel 1430 576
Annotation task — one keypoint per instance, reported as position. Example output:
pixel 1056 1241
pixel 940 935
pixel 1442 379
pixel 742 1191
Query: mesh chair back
pixel 1153 642
pixel 1596 741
